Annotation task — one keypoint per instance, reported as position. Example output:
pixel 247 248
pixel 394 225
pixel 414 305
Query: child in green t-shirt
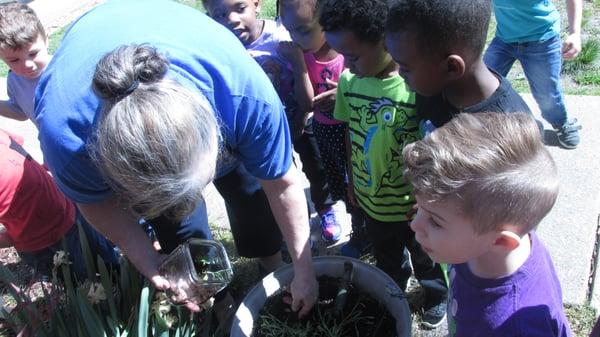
pixel 379 110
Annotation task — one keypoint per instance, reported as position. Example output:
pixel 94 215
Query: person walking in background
pixel 529 31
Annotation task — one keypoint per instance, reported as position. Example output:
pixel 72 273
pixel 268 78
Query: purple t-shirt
pixel 526 303
pixel 279 71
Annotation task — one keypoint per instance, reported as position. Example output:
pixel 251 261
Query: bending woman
pixel 146 102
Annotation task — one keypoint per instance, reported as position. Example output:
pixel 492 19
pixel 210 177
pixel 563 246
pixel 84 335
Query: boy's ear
pixel 455 66
pixel 507 241
pixel 257 6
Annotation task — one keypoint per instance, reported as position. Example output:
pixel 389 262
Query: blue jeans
pixel 542 62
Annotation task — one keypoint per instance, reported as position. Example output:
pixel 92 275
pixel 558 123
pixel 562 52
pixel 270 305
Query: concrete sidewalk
pixel 55 14
pixel 569 231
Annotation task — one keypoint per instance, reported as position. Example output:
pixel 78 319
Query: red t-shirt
pixel 35 213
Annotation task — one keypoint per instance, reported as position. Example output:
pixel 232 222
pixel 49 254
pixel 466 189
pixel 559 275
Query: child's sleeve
pixel 10 108
pixel 341 111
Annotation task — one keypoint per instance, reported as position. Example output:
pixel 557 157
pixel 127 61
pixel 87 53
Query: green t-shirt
pixel 381 119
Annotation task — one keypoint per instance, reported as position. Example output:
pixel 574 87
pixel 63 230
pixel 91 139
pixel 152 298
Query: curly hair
pixel 442 25
pixel 365 19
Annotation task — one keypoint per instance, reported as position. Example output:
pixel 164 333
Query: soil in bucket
pixel 361 315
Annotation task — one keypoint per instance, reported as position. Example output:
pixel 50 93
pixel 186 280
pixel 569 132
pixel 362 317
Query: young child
pixel 483 182
pixel 320 71
pixel 23 48
pixel 438 45
pixel 269 44
pixel 529 31
pixel 379 110
pixel 36 215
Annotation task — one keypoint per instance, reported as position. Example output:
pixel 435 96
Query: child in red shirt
pixel 36 215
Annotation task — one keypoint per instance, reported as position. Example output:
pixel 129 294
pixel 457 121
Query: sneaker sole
pixel 433 326
pixel 328 241
pixel 566 146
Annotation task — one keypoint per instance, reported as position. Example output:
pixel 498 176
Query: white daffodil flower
pixel 96 293
pixel 60 257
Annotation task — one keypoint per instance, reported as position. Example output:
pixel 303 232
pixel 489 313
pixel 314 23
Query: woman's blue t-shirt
pixel 204 56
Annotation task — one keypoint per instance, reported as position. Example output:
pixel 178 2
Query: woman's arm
pixel 122 228
pixel 288 204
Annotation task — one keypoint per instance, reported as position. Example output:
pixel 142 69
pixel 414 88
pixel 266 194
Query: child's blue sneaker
pixel 357 246
pixel 331 229
pixel 349 250
pixel 568 134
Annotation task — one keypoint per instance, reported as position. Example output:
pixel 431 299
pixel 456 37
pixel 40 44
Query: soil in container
pixel 361 315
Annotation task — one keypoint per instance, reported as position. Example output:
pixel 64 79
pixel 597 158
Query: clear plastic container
pixel 196 270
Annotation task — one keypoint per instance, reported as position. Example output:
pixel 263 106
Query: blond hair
pixel 494 166
pixel 156 141
pixel 19 26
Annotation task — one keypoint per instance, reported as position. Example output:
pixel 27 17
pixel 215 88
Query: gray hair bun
pixel 120 72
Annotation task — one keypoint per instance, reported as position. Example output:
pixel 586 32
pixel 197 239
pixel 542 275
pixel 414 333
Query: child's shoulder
pixel 274 31
pixel 335 64
pixel 394 83
pixel 505 99
pixel 15 79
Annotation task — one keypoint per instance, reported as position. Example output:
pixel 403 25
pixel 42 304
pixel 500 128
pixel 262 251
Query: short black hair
pixel 440 25
pixel 364 18
pixel 314 4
